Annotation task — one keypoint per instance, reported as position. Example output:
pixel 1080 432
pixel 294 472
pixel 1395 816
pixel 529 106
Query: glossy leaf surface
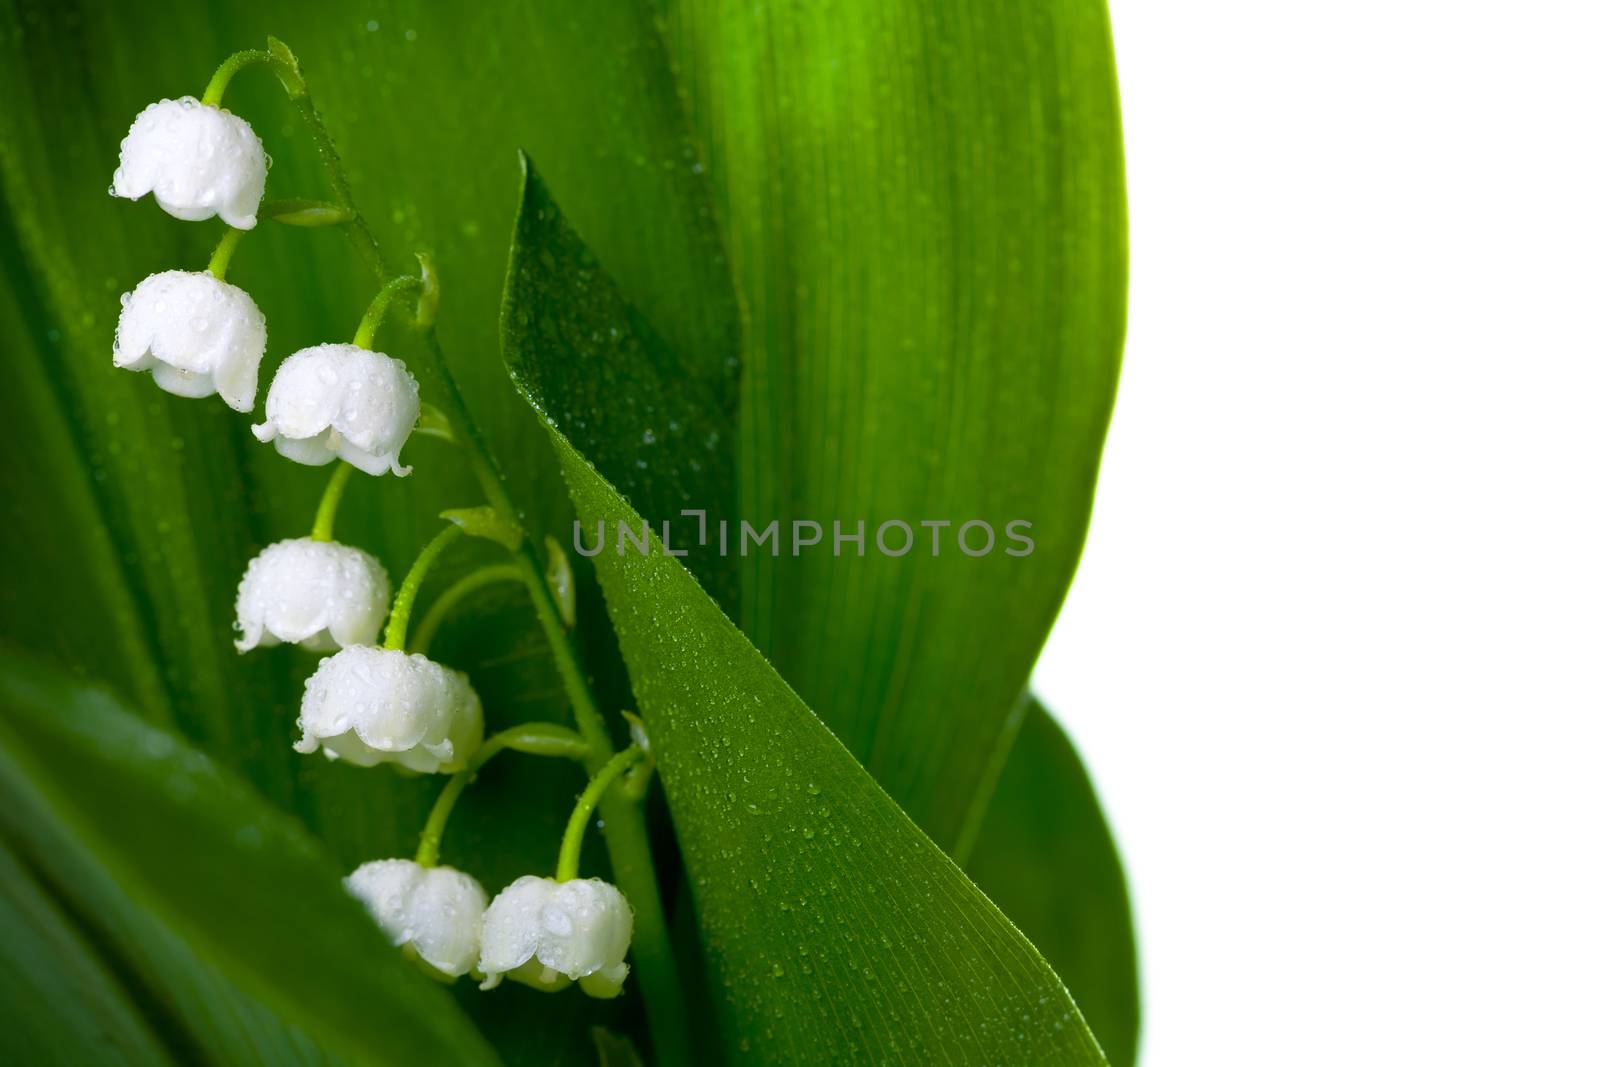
pixel 924 210
pixel 199 888
pixel 1046 857
pixel 835 930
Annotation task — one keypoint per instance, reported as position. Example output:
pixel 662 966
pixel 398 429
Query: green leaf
pixel 59 1003
pixel 612 141
pixel 836 929
pixel 923 327
pixel 85 784
pixel 1046 857
pixel 197 1012
pixel 659 427
pixel 924 209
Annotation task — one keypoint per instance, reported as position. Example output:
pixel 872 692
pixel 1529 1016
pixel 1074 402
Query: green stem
pixel 328 508
pixel 572 839
pixel 356 229
pixel 276 56
pixel 218 84
pixel 534 738
pixel 218 267
pixel 626 838
pixel 394 638
pixel 464 587
pixel 380 308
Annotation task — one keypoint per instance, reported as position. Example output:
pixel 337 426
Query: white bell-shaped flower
pixel 546 934
pixel 378 705
pixel 196 336
pixel 198 160
pixel 434 913
pixel 338 401
pixel 317 594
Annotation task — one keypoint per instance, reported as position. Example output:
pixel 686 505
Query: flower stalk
pixel 286 69
pixel 534 738
pixel 328 506
pixel 572 839
pixel 626 838
pixel 394 638
pixel 447 601
pixel 367 331
pixel 218 266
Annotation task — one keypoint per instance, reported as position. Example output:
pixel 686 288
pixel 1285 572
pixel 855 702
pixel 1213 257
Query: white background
pixel 1332 652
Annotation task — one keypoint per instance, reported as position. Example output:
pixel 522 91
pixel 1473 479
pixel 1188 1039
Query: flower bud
pixel 196 336
pixel 338 401
pixel 378 705
pixel 317 594
pixel 546 933
pixel 199 161
pixel 434 913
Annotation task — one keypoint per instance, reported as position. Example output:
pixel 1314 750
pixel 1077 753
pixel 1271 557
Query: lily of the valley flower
pixel 339 401
pixel 198 160
pixel 196 336
pixel 547 934
pixel 432 912
pixel 378 705
pixel 320 595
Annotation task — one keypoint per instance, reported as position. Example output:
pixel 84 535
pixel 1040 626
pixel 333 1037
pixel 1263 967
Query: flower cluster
pixel 198 335
pixel 367 703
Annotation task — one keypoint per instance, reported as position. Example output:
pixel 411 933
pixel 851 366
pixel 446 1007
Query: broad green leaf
pixel 836 930
pixel 612 142
pixel 659 427
pixel 245 890
pixel 59 1002
pixel 924 210
pixel 923 329
pixel 195 1010
pixel 1046 856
